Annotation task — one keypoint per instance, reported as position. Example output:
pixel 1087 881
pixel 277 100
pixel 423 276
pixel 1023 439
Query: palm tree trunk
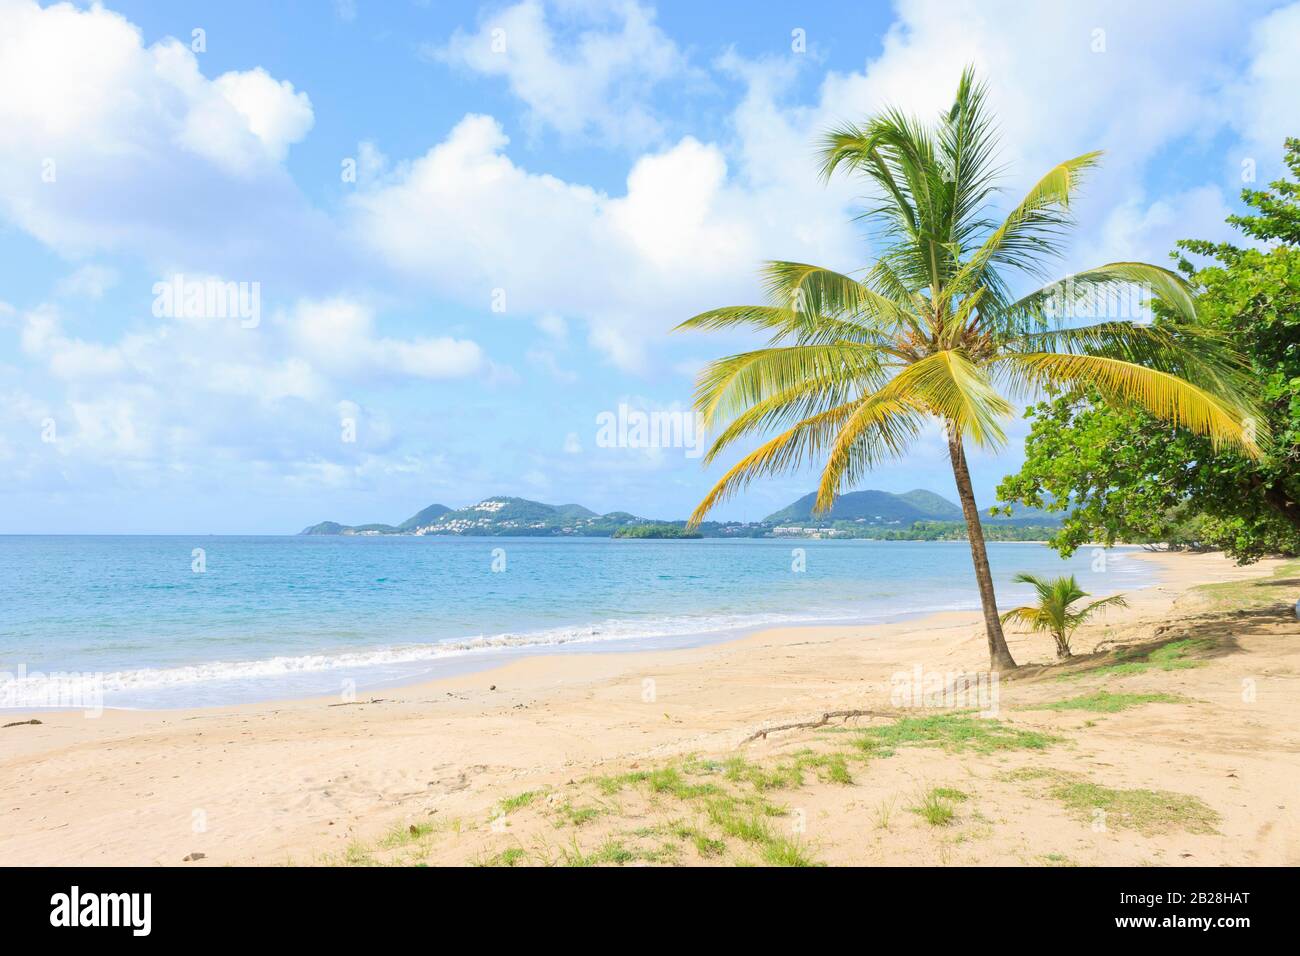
pixel 999 657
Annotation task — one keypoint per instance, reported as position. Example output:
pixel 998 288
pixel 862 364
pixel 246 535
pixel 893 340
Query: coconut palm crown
pixel 855 367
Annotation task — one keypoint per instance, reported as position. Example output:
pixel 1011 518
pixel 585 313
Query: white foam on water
pixel 47 689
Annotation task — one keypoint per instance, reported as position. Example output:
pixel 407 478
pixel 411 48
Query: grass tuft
pixel 1103 702
pixel 519 801
pixel 953 733
pixel 936 806
pixel 1146 811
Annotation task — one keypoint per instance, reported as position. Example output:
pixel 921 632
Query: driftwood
pixel 358 703
pixel 821 721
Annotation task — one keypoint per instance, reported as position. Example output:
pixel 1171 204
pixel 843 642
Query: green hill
pixel 860 513
pixel 937 506
pixel 325 527
pixel 425 517
pixel 868 507
pixel 884 508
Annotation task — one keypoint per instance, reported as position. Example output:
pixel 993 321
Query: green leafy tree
pixel 1125 475
pixel 1054 612
pixel 856 367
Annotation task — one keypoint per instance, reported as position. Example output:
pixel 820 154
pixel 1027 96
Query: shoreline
pixel 302 780
pixel 446 660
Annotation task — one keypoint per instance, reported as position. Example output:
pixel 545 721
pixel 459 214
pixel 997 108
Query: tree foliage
pixel 1124 475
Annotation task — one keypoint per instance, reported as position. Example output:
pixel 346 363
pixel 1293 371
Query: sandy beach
pixel 554 759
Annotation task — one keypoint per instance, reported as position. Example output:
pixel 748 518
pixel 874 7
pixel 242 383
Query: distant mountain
pixel 870 507
pixel 421 518
pixel 495 516
pixel 886 508
pixel 418 520
pixel 1020 515
pixel 937 506
pixel 866 514
pixel 326 527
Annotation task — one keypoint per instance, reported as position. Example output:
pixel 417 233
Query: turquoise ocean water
pixel 274 617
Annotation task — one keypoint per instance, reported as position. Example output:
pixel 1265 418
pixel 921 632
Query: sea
pixel 190 621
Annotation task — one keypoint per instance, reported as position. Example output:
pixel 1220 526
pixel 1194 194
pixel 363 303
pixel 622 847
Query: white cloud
pixel 553 326
pixel 88 282
pixel 1265 108
pixel 589 81
pixel 112 145
pixel 181 393
pixel 684 237
pixel 339 336
pixel 275 114
pixel 697 218
pixel 1146 228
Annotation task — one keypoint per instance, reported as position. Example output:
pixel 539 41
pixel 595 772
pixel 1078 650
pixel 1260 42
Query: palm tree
pixel 1052 612
pixel 855 366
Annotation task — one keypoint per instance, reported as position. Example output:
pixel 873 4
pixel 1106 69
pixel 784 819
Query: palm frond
pixel 816 291
pixel 1029 231
pixel 800 444
pixel 801 400
pixel 1062 300
pixel 881 427
pixel 1192 351
pixel 785 324
pixel 731 385
pixel 955 390
pixel 1164 395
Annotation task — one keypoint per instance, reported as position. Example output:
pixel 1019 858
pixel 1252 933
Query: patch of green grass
pixel 611 785
pixel 739 822
pixel 935 808
pixel 404 834
pixel 512 856
pixel 669 780
pixel 609 852
pixel 954 733
pixel 1173 656
pixel 567 813
pixel 708 847
pixel 780 777
pixel 519 801
pixel 705 845
pixel 950 793
pixel 1248 595
pixel 830 768
pixel 665 853
pixel 358 854
pixel 1147 811
pixel 614 852
pixel 781 851
pixel 1103 702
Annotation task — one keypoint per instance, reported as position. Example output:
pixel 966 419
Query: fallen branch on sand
pixel 821 721
pixel 359 703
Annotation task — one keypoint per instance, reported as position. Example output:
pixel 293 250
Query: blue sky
pixel 597 171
